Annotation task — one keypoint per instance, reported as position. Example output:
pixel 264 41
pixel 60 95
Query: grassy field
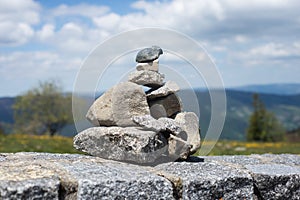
pixel 247 148
pixel 43 143
pixel 59 144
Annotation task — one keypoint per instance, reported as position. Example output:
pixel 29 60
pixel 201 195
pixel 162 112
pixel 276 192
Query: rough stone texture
pixel 168 88
pixel 148 54
pixel 124 144
pixel 45 188
pixel 101 112
pixel 167 106
pixel 150 66
pixel 162 124
pixel 210 180
pixel 107 180
pixel 147 78
pixel 148 122
pixel 72 176
pixel 276 181
pixel 189 122
pixel 178 148
pixel 80 177
pixel 118 105
pixel 171 125
pixel 177 145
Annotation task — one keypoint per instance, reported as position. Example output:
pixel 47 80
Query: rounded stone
pixel 148 54
pixel 167 106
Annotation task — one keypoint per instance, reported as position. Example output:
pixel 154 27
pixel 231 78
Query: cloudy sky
pixel 251 42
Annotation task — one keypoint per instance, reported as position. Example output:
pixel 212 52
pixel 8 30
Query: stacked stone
pixel 137 126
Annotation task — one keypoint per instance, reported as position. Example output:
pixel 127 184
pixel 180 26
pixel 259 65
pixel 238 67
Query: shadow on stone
pixel 193 159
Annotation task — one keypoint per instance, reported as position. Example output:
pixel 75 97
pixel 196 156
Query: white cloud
pixel 26 11
pixel 108 22
pixel 236 33
pixel 81 10
pixel 46 32
pixel 16 20
pixel 14 33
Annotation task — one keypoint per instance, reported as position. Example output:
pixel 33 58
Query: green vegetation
pixel 42 110
pixel 246 148
pixel 37 143
pixel 60 144
pixel 263 125
pixel 1 130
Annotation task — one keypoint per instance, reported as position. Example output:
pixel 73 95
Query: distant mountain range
pixel 281 89
pixel 239 109
pixel 284 102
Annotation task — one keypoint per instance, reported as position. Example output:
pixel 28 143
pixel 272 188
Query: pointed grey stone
pixel 168 88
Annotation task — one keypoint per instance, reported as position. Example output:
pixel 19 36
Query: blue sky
pixel 251 41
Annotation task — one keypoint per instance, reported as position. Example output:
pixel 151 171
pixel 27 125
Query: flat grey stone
pixel 162 124
pixel 148 54
pixel 147 78
pixel 168 88
pixel 124 144
pixel 118 105
pixel 276 181
pixel 148 122
pixel 150 66
pixel 171 125
pixel 210 180
pixel 167 106
pixel 189 123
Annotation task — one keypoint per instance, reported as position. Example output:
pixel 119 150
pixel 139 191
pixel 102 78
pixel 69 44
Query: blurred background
pixel 254 44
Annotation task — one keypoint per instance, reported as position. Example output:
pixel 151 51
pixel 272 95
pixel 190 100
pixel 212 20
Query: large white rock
pixel 118 105
pixel 189 122
pixel 147 78
pixel 123 144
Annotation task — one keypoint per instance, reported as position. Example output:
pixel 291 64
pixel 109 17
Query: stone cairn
pixel 141 127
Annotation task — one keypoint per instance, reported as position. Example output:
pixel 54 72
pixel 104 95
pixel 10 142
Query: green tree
pixel 263 125
pixel 1 129
pixel 42 110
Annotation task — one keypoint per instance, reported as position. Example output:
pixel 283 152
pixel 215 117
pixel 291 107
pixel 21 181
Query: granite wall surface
pixel 72 176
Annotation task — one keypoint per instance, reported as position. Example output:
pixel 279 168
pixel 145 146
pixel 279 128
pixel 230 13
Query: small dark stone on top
pixel 148 54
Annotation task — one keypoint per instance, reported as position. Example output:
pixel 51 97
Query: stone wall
pixel 71 176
